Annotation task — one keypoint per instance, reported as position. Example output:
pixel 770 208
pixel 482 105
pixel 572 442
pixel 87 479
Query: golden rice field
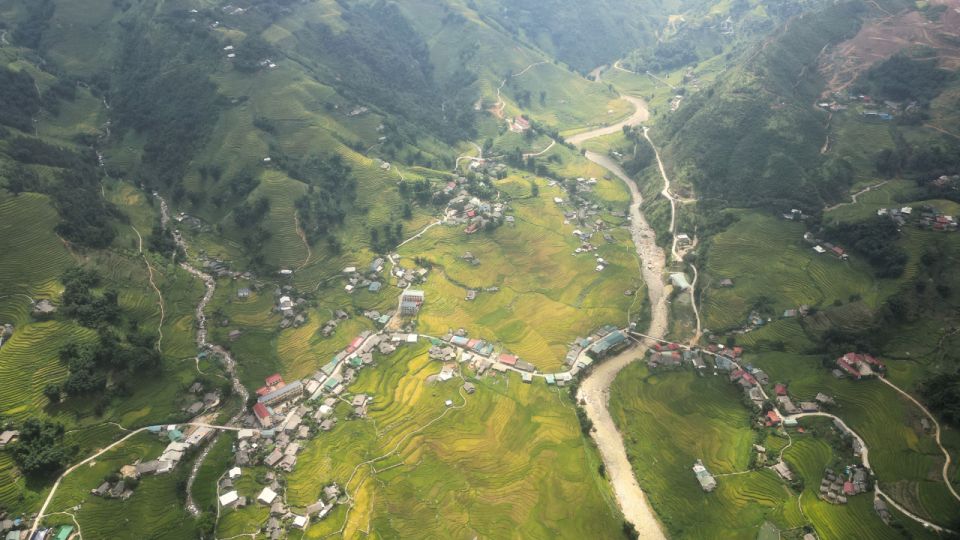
pixel 505 461
pixel 547 296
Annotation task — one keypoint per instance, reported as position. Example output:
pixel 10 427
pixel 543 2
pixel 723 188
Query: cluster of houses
pixel 786 404
pixel 868 107
pixel 19 529
pixel 199 400
pixel 281 517
pixel 180 442
pixel 369 278
pixel 603 342
pixel 671 356
pixel 946 182
pixel 292 310
pixel 927 218
pixel 330 326
pixel 836 487
pixel 474 213
pixel 373 281
pixel 821 247
pixel 409 276
pixel 857 366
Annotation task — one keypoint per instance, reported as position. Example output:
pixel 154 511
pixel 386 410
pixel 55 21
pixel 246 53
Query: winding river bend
pixel 594 390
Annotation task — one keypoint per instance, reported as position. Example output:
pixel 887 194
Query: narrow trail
pixel 668 193
pixel 501 104
pixel 941 130
pixel 542 152
pixel 936 435
pixel 855 196
pixel 303 238
pixel 155 288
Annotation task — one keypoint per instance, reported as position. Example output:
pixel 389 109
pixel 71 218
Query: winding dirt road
pixel 594 391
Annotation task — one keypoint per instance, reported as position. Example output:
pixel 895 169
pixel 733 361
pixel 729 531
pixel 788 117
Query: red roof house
pixel 737 351
pixel 780 389
pixel 673 346
pixel 274 379
pixel 849 489
pixel 263 390
pixel 508 359
pixel 261 410
pixel 773 419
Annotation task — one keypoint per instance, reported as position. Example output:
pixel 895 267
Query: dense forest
pixel 905 78
pixel 160 89
pixel 382 60
pixel 752 139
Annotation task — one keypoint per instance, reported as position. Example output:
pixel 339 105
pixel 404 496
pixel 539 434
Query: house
pixel 285 393
pixel 263 415
pixel 129 471
pixel 726 283
pixel 824 399
pixel 410 302
pixel 273 458
pixel 64 533
pixel 469 387
pixel 809 406
pixel 679 281
pixel 374 287
pixel 300 522
pixel 608 344
pixel 707 481
pixel 773 419
pixel 8 437
pixel 229 498
pixel 723 363
pixel 234 473
pixel 780 389
pixel 147 467
pixel 787 405
pixel 267 496
pixel 783 470
pixel 507 359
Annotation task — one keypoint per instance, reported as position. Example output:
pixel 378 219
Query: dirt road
pixel 640 114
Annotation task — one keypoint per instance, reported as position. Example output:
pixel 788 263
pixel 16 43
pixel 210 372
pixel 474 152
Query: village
pixel 925 217
pixel 779 413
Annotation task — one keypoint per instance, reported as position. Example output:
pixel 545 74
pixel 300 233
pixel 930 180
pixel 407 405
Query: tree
pixel 52 392
pixel 534 189
pixel 40 450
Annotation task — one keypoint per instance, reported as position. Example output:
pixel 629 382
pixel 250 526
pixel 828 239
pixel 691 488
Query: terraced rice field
pixel 507 463
pixel 154 511
pixel 31 358
pixel 536 313
pixel 669 420
pixel 27 231
pixel 767 257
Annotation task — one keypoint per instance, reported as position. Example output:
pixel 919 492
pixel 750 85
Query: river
pixel 594 392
